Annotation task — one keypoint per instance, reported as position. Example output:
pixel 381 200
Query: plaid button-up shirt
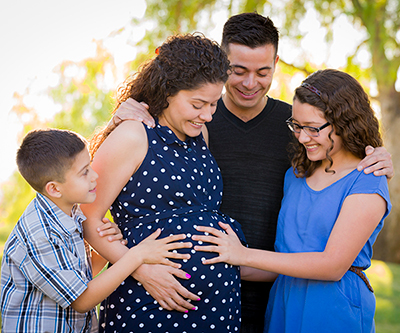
pixel 45 268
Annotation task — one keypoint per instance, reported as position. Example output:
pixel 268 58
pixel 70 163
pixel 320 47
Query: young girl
pixel 330 216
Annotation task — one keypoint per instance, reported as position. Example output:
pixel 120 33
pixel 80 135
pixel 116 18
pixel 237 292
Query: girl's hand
pixel 227 244
pixel 111 230
pixel 158 251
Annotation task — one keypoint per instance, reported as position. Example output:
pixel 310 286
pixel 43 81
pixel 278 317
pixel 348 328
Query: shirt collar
pixel 64 221
pixel 169 137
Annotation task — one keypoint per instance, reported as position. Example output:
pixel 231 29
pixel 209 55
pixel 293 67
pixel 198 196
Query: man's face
pixel 251 78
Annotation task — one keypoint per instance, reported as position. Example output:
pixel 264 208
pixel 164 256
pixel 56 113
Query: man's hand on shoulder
pixel 133 110
pixel 378 161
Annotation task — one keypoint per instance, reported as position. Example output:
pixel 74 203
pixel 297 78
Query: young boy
pixel 46 274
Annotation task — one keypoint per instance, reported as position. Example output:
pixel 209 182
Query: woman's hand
pixel 160 282
pixel 110 230
pixel 227 244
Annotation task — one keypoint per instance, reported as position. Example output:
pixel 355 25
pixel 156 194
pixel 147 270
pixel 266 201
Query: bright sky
pixel 36 36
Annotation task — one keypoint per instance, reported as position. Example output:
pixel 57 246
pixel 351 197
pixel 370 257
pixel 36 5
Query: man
pixel 249 138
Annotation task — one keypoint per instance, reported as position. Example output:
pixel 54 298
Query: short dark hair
pixel 346 106
pixel 47 154
pixel 251 30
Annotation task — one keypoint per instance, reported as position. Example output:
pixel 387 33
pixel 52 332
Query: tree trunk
pixel 387 246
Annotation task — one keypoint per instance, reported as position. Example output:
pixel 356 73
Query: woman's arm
pixel 358 218
pixel 119 156
pixel 115 161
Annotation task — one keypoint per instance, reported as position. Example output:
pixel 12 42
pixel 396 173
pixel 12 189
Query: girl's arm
pixel 358 218
pixel 258 275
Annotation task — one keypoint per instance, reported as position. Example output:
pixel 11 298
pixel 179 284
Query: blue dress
pixel 304 225
pixel 177 187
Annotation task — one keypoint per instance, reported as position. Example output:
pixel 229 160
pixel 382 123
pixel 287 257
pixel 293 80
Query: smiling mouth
pixel 93 190
pixel 195 123
pixel 248 94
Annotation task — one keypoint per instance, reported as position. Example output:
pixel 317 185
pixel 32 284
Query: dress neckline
pixel 169 137
pixel 330 185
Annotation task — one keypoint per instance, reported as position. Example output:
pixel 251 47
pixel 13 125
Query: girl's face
pixel 304 114
pixel 189 110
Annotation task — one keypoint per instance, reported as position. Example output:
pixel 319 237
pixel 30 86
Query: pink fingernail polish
pixel 186 311
pixel 199 299
pixel 188 276
pixel 194 308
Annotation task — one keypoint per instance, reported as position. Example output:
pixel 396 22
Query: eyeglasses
pixel 309 130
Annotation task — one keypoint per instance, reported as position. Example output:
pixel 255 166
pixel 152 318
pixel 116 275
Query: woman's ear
pixel 52 189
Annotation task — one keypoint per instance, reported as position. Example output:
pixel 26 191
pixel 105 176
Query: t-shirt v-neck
pixel 246 126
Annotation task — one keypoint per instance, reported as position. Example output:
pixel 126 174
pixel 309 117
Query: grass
pixel 384 277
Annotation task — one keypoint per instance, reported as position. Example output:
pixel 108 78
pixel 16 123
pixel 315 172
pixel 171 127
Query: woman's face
pixel 305 114
pixel 189 110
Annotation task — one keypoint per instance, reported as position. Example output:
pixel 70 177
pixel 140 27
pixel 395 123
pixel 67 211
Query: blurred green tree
pixel 85 102
pixel 85 105
pixel 377 20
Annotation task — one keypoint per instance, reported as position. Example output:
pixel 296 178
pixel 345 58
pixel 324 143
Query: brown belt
pixel 358 271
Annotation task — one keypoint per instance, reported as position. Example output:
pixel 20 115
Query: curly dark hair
pixel 183 62
pixel 251 30
pixel 346 107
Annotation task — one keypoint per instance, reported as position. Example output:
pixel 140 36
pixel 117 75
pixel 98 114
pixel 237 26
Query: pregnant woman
pixel 165 177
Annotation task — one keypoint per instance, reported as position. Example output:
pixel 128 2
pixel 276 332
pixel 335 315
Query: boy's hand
pixel 133 110
pixel 378 161
pixel 111 230
pixel 158 251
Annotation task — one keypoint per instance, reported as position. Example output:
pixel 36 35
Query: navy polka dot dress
pixel 177 187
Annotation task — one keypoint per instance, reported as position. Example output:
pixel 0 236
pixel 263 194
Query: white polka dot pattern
pixel 177 187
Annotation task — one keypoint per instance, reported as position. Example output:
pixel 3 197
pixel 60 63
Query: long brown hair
pixel 183 62
pixel 346 107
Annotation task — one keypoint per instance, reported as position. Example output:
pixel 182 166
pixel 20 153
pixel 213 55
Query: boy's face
pixel 80 183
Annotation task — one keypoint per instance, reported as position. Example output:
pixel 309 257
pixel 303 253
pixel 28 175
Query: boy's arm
pixel 104 284
pixel 150 251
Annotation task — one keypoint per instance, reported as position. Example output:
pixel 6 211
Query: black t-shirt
pixel 253 159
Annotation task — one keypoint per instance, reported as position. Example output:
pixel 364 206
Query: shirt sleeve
pixel 370 184
pixel 51 266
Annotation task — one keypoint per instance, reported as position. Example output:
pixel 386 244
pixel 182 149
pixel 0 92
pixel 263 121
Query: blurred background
pixel 62 61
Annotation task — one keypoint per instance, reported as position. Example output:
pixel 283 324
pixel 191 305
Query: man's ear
pixel 52 188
